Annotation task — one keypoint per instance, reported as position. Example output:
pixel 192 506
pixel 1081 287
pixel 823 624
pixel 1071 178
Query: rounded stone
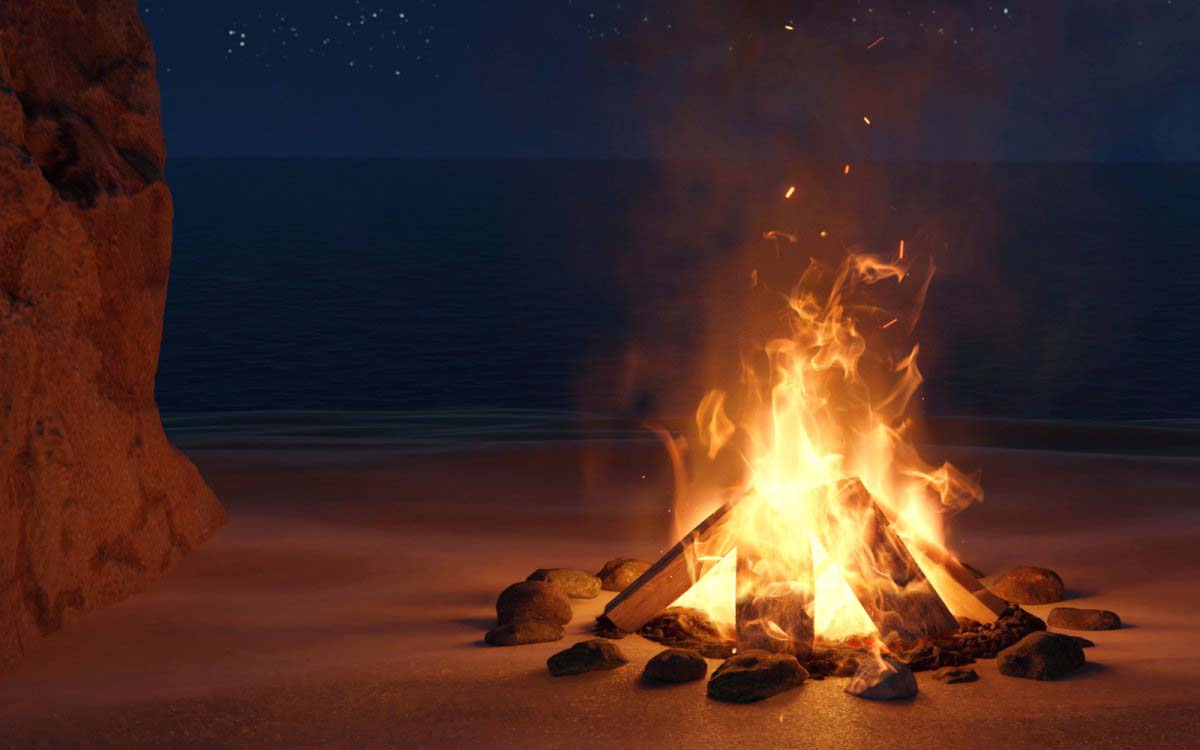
pixel 619 573
pixel 1070 618
pixel 754 675
pixel 524 632
pixel 676 665
pixel 586 656
pixel 1041 656
pixel 1027 584
pixel 533 600
pixel 577 584
pixel 882 678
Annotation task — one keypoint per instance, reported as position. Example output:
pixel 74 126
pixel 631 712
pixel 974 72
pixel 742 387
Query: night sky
pixel 1094 80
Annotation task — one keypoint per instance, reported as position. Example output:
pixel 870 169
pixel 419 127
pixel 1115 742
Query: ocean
pixel 1063 291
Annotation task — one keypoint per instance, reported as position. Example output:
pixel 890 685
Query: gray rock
pixel 533 600
pixel 577 584
pixel 1041 656
pixel 1026 584
pixel 1070 618
pixel 755 675
pixel 586 656
pixel 676 665
pixel 954 675
pixel 524 632
pixel 619 573
pixel 883 679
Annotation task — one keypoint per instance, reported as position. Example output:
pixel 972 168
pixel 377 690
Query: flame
pixel 825 404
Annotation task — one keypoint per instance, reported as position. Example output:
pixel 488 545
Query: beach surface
pixel 346 602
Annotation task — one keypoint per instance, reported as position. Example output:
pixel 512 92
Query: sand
pixel 345 604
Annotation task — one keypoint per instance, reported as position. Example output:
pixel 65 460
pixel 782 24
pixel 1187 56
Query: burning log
pixel 674 573
pixel 774 606
pixel 882 573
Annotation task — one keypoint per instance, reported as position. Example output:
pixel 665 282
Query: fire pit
pixel 826 555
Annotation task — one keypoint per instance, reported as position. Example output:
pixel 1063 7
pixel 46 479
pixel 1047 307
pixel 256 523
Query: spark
pixel 846 169
pixel 901 249
pixel 866 119
pixel 890 323
pixel 824 233
pixel 790 192
pixel 877 41
pixel 789 27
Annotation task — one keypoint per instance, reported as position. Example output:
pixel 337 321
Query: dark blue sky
pixel 1091 79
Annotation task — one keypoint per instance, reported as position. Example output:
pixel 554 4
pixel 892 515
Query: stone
pixel 533 600
pixel 1070 618
pixel 954 675
pixel 524 632
pixel 676 665
pixel 97 504
pixel 691 628
pixel 1026 584
pixel 1041 656
pixel 586 656
pixel 577 584
pixel 882 678
pixel 619 573
pixel 1083 642
pixel 755 675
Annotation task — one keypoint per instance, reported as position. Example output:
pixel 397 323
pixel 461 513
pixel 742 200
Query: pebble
pixel 883 679
pixel 586 656
pixel 577 584
pixel 1041 656
pixel 533 600
pixel 676 665
pixel 755 675
pixel 1027 584
pixel 1070 618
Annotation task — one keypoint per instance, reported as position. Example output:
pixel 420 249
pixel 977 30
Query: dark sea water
pixel 1063 291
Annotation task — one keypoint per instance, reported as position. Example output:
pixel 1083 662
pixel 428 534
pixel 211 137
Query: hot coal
pixel 619 573
pixel 524 632
pixel 577 584
pixel 1026 584
pixel 754 676
pixel 930 656
pixel 676 665
pixel 586 656
pixel 985 640
pixel 954 675
pixel 882 679
pixel 1041 656
pixel 533 600
pixel 1070 618
pixel 687 627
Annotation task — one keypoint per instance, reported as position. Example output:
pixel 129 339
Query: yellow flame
pixel 825 408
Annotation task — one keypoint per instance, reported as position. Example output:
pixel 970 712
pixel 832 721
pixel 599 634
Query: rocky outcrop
pixel 95 504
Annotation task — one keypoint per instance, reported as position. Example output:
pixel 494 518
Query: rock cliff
pixel 95 504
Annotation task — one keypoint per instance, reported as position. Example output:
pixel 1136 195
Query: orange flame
pixel 825 407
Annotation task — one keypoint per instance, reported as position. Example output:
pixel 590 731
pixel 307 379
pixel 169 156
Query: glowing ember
pixel 846 169
pixel 866 119
pixel 790 192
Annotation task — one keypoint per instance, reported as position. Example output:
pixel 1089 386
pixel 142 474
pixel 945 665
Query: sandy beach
pixel 345 604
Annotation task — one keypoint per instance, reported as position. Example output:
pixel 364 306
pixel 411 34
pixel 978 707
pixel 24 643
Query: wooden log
pixel 674 573
pixel 937 555
pixel 774 606
pixel 881 572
